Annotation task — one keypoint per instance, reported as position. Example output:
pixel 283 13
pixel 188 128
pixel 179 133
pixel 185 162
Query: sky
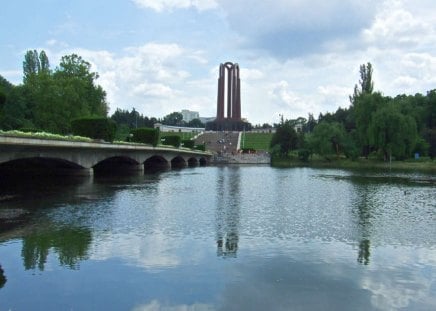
pixel 296 56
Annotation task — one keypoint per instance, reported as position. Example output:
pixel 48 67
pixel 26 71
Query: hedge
pixel 95 128
pixel 172 140
pixel 145 135
pixel 188 143
pixel 200 147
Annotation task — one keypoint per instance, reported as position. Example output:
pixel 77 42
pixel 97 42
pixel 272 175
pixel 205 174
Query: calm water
pixel 221 238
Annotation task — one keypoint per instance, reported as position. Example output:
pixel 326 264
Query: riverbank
pixel 428 166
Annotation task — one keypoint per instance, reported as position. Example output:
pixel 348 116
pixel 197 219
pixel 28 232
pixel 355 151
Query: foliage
pixel 132 119
pixel 196 123
pixel 50 100
pixel 366 85
pixel 328 138
pixel 188 143
pixel 145 136
pixel 304 154
pixel 94 127
pixel 285 138
pixel 44 135
pixel 174 118
pixel 172 140
pixel 201 147
pixel 393 133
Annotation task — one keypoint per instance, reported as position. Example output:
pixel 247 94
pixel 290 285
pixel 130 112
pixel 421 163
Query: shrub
pixel 187 143
pixel 172 140
pixel 303 155
pixel 200 147
pixel 29 130
pixel 145 135
pixel 94 127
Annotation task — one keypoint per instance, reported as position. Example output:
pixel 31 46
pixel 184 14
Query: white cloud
pixel 395 26
pixel 394 291
pixel 168 5
pixel 155 90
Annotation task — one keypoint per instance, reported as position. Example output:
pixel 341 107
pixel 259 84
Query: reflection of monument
pixel 229 94
pixel 227 213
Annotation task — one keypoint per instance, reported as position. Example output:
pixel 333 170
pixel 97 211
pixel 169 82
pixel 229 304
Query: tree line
pixel 374 124
pixel 50 99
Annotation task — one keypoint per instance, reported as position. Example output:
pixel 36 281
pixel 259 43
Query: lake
pixel 220 238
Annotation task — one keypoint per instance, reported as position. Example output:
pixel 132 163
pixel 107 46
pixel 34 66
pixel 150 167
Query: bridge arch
pixel 156 163
pixel 192 162
pixel 42 165
pixel 118 164
pixel 202 161
pixel 178 162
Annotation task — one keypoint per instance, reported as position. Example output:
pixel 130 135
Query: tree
pixel 196 123
pixel 285 138
pixel 364 108
pixel 328 138
pixel 31 64
pixel 366 85
pixel 174 118
pixel 393 133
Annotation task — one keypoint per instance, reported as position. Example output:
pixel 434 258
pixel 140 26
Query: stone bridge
pixel 84 158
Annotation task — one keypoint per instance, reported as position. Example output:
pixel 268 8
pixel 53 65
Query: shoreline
pixel 360 164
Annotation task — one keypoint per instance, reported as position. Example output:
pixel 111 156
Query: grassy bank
pixel 428 166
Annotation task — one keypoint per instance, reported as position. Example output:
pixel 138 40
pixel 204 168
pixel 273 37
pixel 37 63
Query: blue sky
pixel 296 56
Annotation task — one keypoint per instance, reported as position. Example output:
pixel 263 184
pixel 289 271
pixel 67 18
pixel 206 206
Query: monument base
pixel 228 125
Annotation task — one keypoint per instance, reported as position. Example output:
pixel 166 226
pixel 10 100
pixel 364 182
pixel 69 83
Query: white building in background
pixel 190 115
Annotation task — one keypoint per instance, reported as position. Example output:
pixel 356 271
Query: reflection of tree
pixel 364 223
pixel 71 245
pixel 2 277
pixel 228 212
pixel 364 252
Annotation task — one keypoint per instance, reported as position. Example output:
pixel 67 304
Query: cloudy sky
pixel 296 56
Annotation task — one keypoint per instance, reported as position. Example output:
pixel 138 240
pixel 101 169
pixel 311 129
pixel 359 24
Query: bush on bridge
pixel 200 147
pixel 95 128
pixel 187 143
pixel 145 135
pixel 172 140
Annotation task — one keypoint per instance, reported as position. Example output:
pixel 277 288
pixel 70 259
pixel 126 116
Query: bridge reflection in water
pixel 27 155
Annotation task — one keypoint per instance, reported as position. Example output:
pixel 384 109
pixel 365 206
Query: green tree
pixel 393 133
pixel 364 108
pixel 366 85
pixel 55 99
pixel 285 138
pixel 15 110
pixel 79 89
pixel 174 118
pixel 328 138
pixel 195 123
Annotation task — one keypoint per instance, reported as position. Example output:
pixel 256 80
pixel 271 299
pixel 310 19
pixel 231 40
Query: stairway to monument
pixel 219 142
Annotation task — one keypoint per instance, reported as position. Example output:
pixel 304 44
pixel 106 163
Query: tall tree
pixel 31 64
pixel 366 85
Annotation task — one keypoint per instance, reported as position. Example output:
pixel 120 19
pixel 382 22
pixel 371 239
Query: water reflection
pixel 227 216
pixel 364 215
pixel 70 244
pixel 2 277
